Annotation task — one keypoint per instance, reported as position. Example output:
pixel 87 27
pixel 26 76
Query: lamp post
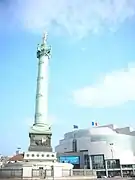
pixel 111 145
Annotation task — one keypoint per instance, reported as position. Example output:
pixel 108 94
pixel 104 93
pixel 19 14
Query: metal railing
pixel 84 172
pixel 40 173
pixel 11 173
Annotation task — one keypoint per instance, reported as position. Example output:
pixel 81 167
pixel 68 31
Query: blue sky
pixel 92 70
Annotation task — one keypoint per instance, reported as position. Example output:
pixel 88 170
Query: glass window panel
pixel 112 164
pixel 98 161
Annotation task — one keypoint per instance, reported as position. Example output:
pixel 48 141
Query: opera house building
pixel 109 150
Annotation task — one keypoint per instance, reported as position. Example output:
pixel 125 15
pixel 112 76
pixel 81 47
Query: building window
pixel 47 155
pixel 74 145
pixel 42 155
pixel 32 155
pixel 98 161
pixel 37 155
pixel 27 155
pixel 86 161
pixel 127 166
pixel 113 163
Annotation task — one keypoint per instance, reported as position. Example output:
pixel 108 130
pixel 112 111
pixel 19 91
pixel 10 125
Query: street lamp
pixel 111 145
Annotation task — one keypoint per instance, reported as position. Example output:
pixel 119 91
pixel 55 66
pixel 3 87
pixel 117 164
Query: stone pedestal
pixel 49 170
pixel 40 138
pixel 27 171
pixel 44 164
pixel 40 142
pixel 35 156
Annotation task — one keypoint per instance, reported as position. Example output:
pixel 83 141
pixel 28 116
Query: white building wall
pixel 126 156
pixel 126 130
pixel 97 141
pixel 83 143
pixel 97 148
pixel 65 146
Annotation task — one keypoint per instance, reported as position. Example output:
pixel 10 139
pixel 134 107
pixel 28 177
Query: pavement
pixel 118 178
pixel 75 178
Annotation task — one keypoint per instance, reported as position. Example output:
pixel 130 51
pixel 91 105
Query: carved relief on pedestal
pixel 38 140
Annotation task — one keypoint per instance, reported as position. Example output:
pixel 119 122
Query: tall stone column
pixel 40 133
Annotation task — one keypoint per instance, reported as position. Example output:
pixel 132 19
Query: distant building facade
pixel 104 148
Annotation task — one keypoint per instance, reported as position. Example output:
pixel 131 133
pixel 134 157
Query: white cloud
pixel 77 17
pixel 116 88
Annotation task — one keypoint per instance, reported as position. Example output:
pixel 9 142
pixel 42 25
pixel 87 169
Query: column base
pixel 40 138
pixel 41 129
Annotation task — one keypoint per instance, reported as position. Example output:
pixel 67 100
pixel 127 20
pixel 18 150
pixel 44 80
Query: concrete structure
pixel 102 147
